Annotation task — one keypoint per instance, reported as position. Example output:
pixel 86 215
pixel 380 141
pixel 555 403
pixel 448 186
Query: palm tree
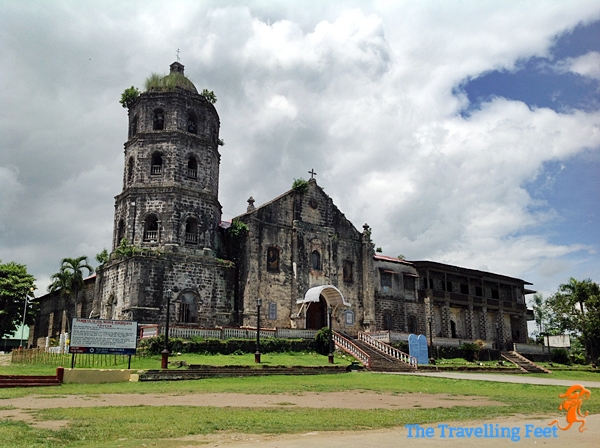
pixel 73 268
pixel 61 282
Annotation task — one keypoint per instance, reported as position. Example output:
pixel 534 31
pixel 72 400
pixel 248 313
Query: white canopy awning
pixel 332 295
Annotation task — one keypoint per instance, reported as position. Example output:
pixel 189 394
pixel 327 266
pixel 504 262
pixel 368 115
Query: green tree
pixel 16 287
pixel 129 96
pixel 61 283
pixel 71 271
pixel 575 308
pixel 541 313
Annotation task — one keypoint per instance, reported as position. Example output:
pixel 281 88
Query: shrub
pixel 470 351
pixel 322 341
pixel 560 356
pixel 579 358
pixel 155 345
pixel 129 96
pixel 300 186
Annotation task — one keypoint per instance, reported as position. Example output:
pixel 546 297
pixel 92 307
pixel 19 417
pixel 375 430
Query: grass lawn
pixel 153 362
pixel 133 426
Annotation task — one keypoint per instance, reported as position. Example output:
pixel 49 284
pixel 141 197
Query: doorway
pixel 316 314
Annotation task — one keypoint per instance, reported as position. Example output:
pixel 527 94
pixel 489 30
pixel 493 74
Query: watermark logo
pixel 572 400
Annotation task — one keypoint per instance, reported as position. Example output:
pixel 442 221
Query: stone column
pixel 446 327
pixel 367 279
pixel 483 325
pixel 469 321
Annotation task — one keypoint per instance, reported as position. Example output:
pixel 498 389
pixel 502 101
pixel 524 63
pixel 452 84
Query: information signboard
pixel 100 336
pixel 562 340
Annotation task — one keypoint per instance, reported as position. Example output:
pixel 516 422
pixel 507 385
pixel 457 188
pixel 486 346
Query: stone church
pixel 298 253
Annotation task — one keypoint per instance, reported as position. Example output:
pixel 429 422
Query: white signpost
pixel 103 337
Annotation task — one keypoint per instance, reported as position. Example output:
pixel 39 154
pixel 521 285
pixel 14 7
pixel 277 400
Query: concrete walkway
pixel 505 378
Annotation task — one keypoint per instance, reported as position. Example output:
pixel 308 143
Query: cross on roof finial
pixel 312 173
pixel 177 54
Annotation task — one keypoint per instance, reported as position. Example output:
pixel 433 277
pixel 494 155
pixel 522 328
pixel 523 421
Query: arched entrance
pixel 316 314
pixel 314 305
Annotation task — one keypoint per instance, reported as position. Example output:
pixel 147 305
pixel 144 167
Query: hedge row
pixel 154 346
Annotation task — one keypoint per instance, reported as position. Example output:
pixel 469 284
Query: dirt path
pixel 347 400
pixel 398 437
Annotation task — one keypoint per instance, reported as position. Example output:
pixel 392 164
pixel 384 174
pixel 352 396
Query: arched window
pixel 188 311
pixel 130 165
pixel 157 164
pixel 133 126
pixel 192 168
pixel 158 120
pixel 191 231
pixel 120 231
pixel 315 260
pixel 192 125
pixel 151 228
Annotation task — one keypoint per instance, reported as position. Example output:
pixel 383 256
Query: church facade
pixel 298 253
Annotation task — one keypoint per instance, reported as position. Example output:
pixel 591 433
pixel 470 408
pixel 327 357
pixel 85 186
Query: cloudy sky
pixel 465 132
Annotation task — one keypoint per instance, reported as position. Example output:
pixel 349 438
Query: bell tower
pixel 171 175
pixel 169 213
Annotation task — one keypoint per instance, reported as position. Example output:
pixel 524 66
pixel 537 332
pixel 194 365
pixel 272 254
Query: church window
pixel 151 228
pixel 120 231
pixel 349 318
pixel 192 124
pixel 191 231
pixel 386 282
pixel 412 324
pixel 130 165
pixel 315 259
pixel 157 164
pixel 273 259
pixel 158 120
pixel 388 321
pixel 192 168
pixel 347 271
pixel 272 311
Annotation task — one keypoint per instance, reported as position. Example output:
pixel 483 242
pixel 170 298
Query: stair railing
pixel 352 349
pixel 388 349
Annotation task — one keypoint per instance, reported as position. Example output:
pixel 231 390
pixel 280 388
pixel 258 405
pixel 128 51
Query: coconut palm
pixel 61 282
pixel 71 274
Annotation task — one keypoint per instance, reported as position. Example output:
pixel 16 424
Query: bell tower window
pixel 191 231
pixel 133 126
pixel 120 231
pixel 192 168
pixel 192 124
pixel 157 164
pixel 151 229
pixel 130 165
pixel 158 120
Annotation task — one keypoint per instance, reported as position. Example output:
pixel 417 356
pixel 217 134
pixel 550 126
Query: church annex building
pixel 297 252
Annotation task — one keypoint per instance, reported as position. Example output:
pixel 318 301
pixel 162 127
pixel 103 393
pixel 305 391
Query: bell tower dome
pixel 171 175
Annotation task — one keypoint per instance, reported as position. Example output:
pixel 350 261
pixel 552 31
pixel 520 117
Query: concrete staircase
pixel 523 363
pixel 28 381
pixel 380 362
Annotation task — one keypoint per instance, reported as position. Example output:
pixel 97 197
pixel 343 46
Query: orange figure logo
pixel 572 400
